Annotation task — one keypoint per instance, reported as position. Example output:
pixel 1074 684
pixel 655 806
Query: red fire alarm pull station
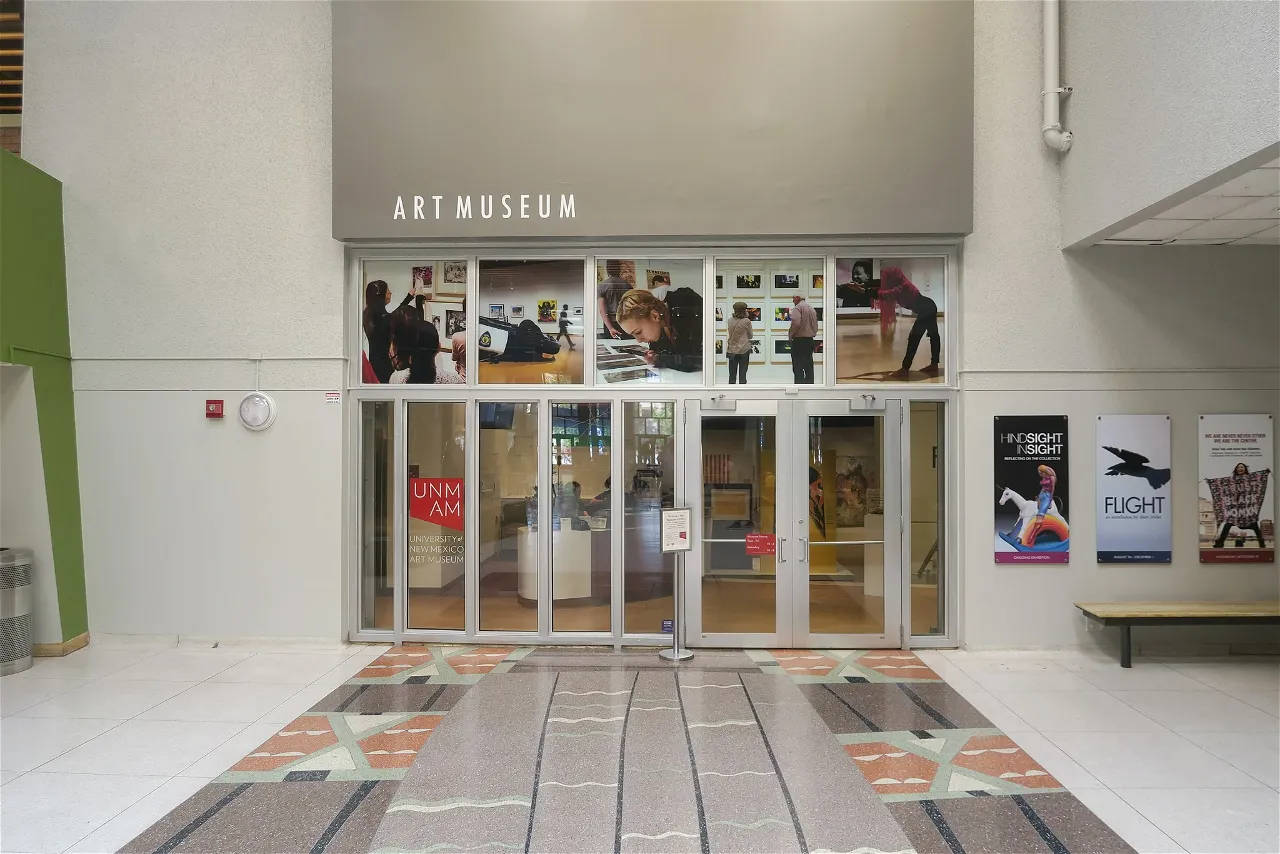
pixel 213 409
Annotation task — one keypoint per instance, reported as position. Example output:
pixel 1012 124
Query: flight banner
pixel 1237 497
pixel 1031 489
pixel 1135 522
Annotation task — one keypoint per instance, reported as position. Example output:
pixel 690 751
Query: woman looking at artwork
pixel 415 348
pixel 671 325
pixel 376 321
pixel 738 346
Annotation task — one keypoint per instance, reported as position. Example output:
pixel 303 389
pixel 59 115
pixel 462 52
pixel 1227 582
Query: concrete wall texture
pixel 1166 94
pixel 194 144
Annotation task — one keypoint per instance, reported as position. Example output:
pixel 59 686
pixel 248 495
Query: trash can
pixel 16 595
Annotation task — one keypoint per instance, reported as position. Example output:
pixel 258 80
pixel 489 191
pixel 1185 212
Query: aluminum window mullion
pixel 471 522
pixel 546 524
pixel 617 521
pixel 399 509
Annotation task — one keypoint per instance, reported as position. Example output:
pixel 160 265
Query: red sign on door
pixel 762 544
pixel 436 499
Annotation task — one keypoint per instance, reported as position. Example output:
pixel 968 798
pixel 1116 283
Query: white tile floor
pixel 97 746
pixel 1175 755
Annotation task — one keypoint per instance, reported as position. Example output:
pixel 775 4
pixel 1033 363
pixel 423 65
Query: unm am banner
pixel 1135 522
pixel 1237 495
pixel 1031 489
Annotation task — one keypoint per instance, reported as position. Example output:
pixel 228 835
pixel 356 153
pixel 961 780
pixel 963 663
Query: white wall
pixel 193 143
pixel 1166 94
pixel 1108 329
pixel 24 503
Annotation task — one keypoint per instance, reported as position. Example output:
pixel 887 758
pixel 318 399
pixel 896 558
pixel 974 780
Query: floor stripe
pixel 537 768
pixel 786 793
pixel 181 836
pixel 928 709
pixel 1054 843
pixel 357 797
pixel 427 705
pixel 342 707
pixel 622 758
pixel 703 840
pixel 944 829
pixel 865 720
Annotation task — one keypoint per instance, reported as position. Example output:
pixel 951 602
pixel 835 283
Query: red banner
pixel 761 544
pixel 436 499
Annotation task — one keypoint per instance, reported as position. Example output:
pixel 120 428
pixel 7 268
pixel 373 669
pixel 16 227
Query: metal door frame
pixel 791 580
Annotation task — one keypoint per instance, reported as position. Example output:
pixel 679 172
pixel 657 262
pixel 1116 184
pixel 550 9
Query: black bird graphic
pixel 1135 465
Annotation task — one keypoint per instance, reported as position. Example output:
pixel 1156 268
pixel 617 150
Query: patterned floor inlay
pixel 495 748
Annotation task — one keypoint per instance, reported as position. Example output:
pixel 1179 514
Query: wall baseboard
pixel 55 650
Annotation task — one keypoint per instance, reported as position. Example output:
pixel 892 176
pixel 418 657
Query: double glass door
pixel 799 507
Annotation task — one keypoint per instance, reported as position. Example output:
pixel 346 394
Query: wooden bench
pixel 1129 614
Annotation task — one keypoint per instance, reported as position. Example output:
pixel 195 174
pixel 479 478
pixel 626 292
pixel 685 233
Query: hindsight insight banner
pixel 1237 499
pixel 1135 524
pixel 1031 489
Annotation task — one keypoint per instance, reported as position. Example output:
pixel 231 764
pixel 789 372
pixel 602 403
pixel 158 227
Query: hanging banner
pixel 1031 489
pixel 1237 498
pixel 1135 522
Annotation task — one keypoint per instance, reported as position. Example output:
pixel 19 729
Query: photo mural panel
pixel 769 313
pixel 1132 480
pixel 889 319
pixel 1031 489
pixel 648 317
pixel 530 321
pixel 413 322
pixel 1237 493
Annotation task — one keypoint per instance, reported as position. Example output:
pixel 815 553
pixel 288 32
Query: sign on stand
pixel 677 537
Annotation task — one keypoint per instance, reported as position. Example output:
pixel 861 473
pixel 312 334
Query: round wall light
pixel 257 411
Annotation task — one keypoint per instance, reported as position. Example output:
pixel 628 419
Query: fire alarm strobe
pixel 257 411
pixel 213 409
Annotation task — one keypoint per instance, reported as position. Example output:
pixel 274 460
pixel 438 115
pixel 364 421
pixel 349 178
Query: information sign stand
pixel 677 538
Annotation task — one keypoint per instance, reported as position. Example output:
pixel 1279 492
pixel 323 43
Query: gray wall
pixel 1177 330
pixel 1166 94
pixel 688 118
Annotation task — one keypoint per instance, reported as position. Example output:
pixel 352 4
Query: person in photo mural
pixel 376 321
pixel 564 329
pixel 738 345
pixel 669 320
pixel 803 330
pixel 897 289
pixel 415 349
pixel 1237 502
pixel 1044 503
pixel 608 294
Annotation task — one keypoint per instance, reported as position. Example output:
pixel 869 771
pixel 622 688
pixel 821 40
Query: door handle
pixel 804 548
pixel 780 554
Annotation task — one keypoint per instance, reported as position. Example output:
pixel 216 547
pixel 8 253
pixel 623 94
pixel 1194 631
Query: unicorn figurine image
pixel 1041 526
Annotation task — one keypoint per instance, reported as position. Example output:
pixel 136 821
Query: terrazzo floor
pixel 498 748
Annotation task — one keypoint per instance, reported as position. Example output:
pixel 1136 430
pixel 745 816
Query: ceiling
pixel 10 57
pixel 1242 211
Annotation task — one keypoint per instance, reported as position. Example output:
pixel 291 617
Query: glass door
pixel 848 580
pixel 799 538
pixel 737 593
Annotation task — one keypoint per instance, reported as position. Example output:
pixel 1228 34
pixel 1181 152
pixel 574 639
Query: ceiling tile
pixel 1267 207
pixel 1156 229
pixel 1204 207
pixel 1270 236
pixel 1259 182
pixel 1222 228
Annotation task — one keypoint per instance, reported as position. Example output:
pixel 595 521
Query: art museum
pixel 375 416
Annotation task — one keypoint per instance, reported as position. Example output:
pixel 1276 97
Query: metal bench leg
pixel 1126 646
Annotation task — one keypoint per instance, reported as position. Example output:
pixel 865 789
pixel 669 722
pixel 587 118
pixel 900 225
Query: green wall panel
pixel 33 332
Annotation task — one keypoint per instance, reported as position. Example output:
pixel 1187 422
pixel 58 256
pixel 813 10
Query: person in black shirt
pixel 671 326
pixel 376 321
